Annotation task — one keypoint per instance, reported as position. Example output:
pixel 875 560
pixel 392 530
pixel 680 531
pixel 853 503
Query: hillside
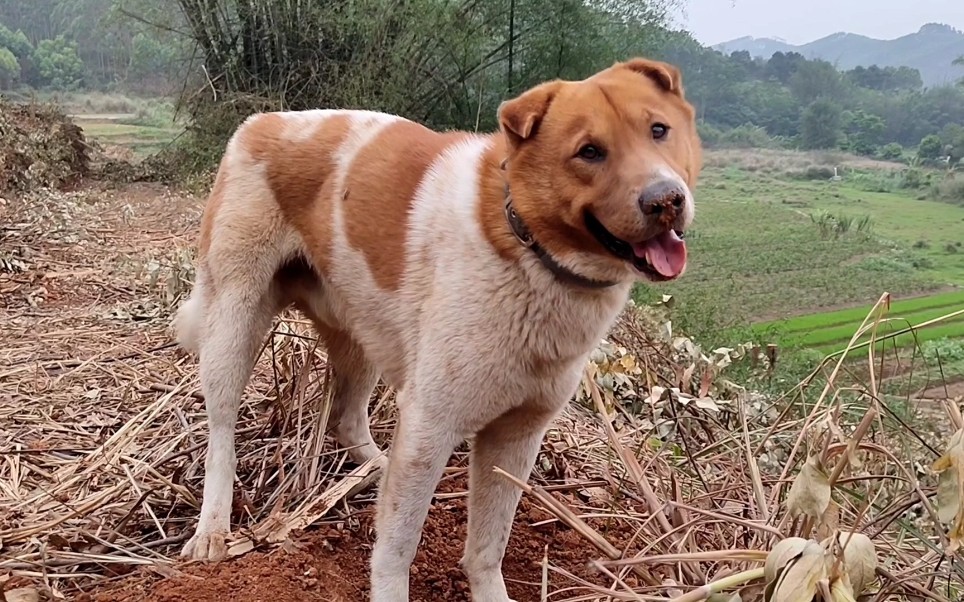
pixel 931 50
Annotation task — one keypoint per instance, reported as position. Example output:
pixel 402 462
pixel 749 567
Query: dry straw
pixel 825 493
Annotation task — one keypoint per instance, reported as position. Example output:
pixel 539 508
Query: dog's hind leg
pixel 511 442
pixel 236 315
pixel 354 380
pixel 235 323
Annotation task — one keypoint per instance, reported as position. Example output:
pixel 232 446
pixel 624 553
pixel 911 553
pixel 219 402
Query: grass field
pixel 831 331
pixel 141 126
pixel 125 130
pixel 760 257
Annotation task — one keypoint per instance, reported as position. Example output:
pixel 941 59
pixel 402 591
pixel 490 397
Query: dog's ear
pixel 519 117
pixel 667 76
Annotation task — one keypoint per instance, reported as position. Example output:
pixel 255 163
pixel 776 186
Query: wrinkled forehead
pixel 616 100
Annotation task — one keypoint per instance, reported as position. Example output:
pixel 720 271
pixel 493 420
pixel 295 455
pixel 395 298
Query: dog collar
pixel 561 272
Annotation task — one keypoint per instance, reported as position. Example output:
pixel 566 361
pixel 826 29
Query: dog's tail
pixel 188 322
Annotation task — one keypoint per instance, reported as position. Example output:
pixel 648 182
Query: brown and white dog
pixel 474 273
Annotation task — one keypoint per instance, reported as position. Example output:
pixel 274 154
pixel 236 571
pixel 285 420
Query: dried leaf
pixel 829 522
pixel 860 560
pixel 950 490
pixel 802 576
pixel 781 554
pixel 22 594
pixel 725 598
pixel 810 492
pixel 842 590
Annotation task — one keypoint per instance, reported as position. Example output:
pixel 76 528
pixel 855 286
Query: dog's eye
pixel 659 130
pixel 590 152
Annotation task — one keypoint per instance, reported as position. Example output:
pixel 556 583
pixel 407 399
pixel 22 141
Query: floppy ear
pixel 667 76
pixel 520 117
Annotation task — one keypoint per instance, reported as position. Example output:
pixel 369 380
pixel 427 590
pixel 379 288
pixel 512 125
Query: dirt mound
pixel 330 563
pixel 40 147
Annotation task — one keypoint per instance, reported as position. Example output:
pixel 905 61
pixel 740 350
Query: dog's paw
pixel 209 547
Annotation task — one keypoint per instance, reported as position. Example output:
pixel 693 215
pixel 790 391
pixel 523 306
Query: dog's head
pixel 601 170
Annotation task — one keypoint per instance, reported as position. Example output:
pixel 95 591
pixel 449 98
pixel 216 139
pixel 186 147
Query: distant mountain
pixel 931 51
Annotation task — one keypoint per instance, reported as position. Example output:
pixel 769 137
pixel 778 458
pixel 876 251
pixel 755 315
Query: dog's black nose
pixel 661 196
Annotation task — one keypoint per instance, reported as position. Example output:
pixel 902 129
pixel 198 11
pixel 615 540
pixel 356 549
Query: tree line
pixel 790 101
pixel 450 62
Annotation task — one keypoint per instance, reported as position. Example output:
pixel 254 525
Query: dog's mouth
pixel 660 258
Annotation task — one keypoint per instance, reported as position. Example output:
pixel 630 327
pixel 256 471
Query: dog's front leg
pixel 422 444
pixel 511 443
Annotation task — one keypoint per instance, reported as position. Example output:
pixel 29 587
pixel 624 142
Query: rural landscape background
pixel 834 173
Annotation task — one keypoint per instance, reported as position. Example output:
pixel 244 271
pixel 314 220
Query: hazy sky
pixel 801 21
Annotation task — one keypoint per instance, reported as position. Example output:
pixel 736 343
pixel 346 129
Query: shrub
pixel 930 147
pixel 913 178
pixel 951 190
pixel 947 350
pixel 747 136
pixel 891 152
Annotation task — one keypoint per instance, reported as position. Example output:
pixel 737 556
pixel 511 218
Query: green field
pixel 831 331
pixel 125 131
pixel 759 256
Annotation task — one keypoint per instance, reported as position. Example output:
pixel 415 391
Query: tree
pixel 820 125
pixel 816 79
pixel 952 136
pixel 864 131
pixel 930 147
pixel 9 69
pixel 16 42
pixel 58 64
pixel 782 66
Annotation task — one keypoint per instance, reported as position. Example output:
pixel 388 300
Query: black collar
pixel 562 273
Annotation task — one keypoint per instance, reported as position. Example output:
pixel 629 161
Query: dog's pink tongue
pixel 666 253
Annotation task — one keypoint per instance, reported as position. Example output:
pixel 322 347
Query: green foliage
pixel 58 64
pixel 16 42
pixel 746 136
pixel 885 79
pixel 864 131
pixel 149 57
pixel 815 80
pixel 891 152
pixel 820 125
pixel 952 137
pixel 930 147
pixel 9 68
pixel 950 190
pixel 833 226
pixel 943 350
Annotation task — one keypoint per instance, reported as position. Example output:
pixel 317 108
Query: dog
pixel 473 272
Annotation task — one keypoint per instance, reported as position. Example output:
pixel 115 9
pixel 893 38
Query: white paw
pixel 209 546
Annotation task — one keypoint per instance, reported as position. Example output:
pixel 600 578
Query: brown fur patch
pixel 492 199
pixel 299 174
pixel 379 192
pixel 214 200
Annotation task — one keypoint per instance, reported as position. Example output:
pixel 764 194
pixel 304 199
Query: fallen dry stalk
pixel 668 471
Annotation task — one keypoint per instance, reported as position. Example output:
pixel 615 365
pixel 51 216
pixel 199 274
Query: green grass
pixel 911 308
pixel 125 131
pixel 933 230
pixel 757 256
pixel 835 337
pixel 779 253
